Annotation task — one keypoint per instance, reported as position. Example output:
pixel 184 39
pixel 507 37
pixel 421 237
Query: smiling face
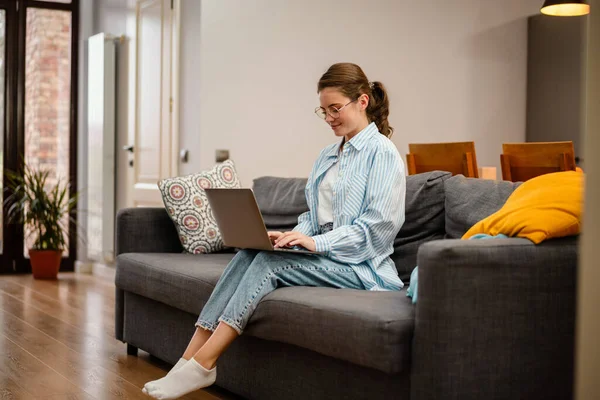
pixel 351 118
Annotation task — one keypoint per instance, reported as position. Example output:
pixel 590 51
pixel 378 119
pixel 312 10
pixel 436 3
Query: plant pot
pixel 45 263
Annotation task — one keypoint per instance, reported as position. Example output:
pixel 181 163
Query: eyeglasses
pixel 331 110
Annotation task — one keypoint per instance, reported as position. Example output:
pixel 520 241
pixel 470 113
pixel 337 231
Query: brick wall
pixel 47 90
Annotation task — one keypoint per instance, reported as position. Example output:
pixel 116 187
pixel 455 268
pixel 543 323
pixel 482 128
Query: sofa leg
pixel 132 350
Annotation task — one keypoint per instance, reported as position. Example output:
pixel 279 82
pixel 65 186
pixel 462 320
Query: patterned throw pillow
pixel 187 205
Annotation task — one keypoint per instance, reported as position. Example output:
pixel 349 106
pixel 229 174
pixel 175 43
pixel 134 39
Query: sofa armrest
pixel 495 319
pixel 146 230
pixel 142 230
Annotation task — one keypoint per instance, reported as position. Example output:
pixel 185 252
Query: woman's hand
pixel 290 239
pixel 274 235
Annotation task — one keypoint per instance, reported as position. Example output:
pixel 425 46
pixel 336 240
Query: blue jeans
pixel 251 275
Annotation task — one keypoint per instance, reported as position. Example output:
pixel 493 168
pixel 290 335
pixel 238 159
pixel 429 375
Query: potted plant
pixel 44 209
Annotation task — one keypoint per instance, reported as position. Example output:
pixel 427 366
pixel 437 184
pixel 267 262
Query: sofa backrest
pixel 438 206
pixel 469 200
pixel 282 200
pixel 424 220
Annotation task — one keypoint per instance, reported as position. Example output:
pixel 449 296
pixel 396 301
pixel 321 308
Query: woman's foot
pixel 192 376
pixel 179 364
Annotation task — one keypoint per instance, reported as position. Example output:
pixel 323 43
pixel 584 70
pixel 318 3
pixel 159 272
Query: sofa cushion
pixel 424 221
pixel 372 329
pixel 183 281
pixel 280 200
pixel 469 200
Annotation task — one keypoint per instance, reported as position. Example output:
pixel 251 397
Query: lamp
pixel 565 8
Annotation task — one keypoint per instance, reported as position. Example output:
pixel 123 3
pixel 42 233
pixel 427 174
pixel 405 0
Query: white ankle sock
pixel 192 376
pixel 178 365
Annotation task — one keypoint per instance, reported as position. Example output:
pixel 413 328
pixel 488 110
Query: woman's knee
pixel 265 261
pixel 245 255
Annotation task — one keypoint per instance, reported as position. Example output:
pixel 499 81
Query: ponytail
pixel 379 108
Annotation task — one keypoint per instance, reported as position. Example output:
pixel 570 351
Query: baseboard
pixel 104 270
pixel 84 267
pixel 95 268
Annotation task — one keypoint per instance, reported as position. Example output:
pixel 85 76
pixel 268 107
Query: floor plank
pixel 87 298
pixel 40 380
pixel 95 324
pixel 64 330
pixel 9 389
pixel 107 352
pixel 77 368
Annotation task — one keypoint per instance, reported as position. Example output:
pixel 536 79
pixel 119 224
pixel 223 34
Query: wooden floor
pixel 57 342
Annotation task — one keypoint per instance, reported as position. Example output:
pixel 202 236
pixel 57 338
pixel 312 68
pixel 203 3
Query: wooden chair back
pixel 457 158
pixel 523 161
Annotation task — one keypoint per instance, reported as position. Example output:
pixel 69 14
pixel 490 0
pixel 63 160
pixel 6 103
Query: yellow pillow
pixel 545 207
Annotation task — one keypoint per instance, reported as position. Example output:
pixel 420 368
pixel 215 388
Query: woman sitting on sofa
pixel 355 193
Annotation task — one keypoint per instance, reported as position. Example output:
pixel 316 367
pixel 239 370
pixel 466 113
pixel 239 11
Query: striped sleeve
pixel 372 232
pixel 305 220
pixel 304 224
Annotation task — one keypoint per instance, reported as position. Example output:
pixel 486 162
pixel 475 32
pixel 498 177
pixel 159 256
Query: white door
pixel 155 143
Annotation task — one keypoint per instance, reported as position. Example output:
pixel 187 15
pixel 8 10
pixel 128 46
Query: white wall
pixel 111 17
pixel 189 86
pixel 587 383
pixel 86 25
pixel 117 18
pixel 455 70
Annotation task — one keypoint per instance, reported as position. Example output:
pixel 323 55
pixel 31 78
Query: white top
pixel 325 210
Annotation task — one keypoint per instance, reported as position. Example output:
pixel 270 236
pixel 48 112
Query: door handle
pixel 129 149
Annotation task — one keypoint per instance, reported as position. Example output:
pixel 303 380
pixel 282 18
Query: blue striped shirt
pixel 368 206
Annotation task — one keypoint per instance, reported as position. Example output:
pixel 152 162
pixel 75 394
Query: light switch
pixel 183 155
pixel 488 173
pixel 222 155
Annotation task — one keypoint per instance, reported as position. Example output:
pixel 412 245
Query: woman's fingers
pixel 282 236
pixel 305 241
pixel 282 242
pixel 286 238
pixel 274 235
pixel 290 239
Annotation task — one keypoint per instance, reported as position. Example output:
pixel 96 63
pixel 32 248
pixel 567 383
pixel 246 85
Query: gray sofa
pixel 494 320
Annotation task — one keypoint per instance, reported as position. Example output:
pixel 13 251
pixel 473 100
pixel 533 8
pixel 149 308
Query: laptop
pixel 240 221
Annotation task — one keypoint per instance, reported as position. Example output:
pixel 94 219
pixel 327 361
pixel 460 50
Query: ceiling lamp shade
pixel 565 8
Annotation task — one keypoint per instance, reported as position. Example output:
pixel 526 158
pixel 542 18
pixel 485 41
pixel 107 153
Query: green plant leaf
pixel 45 210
